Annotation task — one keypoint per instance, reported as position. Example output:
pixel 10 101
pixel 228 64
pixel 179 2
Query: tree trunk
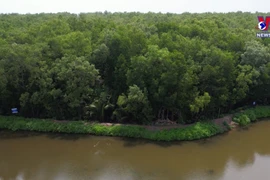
pixel 162 114
pixel 179 114
pixel 33 112
pixel 80 113
pixel 159 112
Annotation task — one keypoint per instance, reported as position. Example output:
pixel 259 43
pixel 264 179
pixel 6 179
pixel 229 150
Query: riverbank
pixel 192 132
pixel 195 131
pixel 247 116
pixel 219 122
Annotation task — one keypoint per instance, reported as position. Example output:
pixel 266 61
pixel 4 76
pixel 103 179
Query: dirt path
pixel 218 122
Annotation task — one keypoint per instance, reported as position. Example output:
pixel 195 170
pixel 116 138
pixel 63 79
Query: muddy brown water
pixel 239 154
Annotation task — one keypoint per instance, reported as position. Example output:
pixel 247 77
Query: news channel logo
pixel 263 26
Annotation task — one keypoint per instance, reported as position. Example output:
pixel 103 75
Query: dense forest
pixel 132 67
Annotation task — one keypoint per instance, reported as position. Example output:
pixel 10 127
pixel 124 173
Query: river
pixel 239 154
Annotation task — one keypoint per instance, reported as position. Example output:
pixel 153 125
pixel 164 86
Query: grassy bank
pixel 247 116
pixel 196 131
pixel 193 132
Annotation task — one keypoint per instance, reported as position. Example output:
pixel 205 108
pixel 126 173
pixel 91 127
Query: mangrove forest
pixel 132 68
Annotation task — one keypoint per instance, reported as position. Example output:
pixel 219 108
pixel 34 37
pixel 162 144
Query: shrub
pixel 252 114
pixel 196 131
pixel 262 111
pixel 244 120
pixel 236 117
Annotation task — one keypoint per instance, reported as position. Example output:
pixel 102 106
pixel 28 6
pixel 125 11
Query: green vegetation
pixel 132 67
pixel 244 120
pixel 199 130
pixel 227 125
pixel 247 116
pixel 193 132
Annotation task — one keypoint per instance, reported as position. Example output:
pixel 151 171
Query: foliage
pixel 132 67
pixel 200 102
pixel 244 120
pixel 135 106
pixel 100 108
pixel 252 114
